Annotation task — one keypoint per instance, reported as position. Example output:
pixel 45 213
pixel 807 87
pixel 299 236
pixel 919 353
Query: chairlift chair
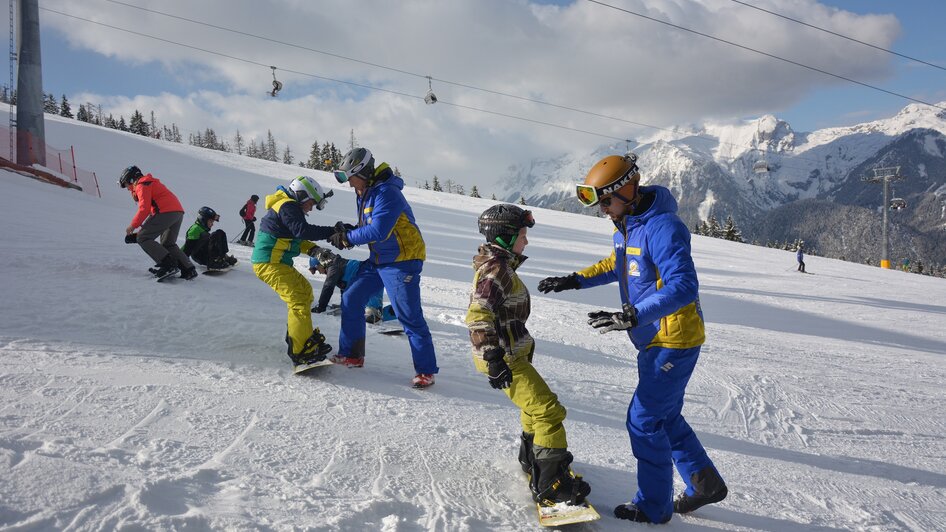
pixel 430 98
pixel 898 204
pixel 277 85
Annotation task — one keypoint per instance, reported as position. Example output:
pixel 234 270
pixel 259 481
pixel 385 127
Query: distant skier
pixel 248 215
pixel 159 215
pixel 661 314
pixel 208 248
pixel 800 256
pixel 386 225
pixel 339 272
pixel 283 235
pixel 503 349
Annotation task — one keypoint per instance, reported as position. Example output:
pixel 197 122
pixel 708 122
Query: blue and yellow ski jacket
pixel 386 222
pixel 652 263
pixel 284 232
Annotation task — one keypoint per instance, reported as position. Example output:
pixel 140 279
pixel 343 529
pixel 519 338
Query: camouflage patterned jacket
pixel 499 305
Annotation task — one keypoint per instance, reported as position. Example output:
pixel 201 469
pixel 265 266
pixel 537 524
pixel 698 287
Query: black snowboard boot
pixel 553 481
pixel 313 350
pixel 709 488
pixel 165 268
pixel 525 452
pixel 189 273
pixel 231 260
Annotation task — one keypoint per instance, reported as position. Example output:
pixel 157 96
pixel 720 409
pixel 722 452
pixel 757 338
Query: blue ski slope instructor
pixel 661 314
pixel 397 253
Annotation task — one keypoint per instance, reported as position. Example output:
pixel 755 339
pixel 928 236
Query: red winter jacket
pixel 250 210
pixel 153 198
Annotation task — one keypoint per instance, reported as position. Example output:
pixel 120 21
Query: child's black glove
pixel 131 238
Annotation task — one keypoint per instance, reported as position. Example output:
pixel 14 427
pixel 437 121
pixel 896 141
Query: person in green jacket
pixel 208 248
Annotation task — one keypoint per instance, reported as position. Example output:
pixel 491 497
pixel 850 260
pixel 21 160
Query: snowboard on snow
pixel 219 271
pixel 302 368
pixel 566 514
pixel 169 275
pixel 387 329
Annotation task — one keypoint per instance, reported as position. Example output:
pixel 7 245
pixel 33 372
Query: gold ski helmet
pixel 613 175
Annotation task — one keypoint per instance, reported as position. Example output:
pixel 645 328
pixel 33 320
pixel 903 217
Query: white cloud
pixel 581 55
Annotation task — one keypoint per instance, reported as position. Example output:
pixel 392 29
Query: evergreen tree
pixel 287 156
pixel 713 228
pixel 474 193
pixel 4 94
pixel 459 189
pixel 326 159
pixel 137 124
pixel 64 108
pixel 522 200
pixel 50 106
pixel 426 185
pixel 437 187
pixel 238 143
pixel 122 125
pixel 270 147
pixel 494 197
pixel 175 134
pixel 83 114
pixel 730 231
pixel 315 157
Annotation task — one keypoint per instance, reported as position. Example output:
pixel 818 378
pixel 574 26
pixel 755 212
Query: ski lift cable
pixel 445 81
pixel 325 78
pixel 803 23
pixel 773 56
pixel 398 93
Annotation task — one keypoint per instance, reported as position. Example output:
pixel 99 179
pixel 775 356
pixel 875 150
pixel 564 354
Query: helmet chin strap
pixel 630 204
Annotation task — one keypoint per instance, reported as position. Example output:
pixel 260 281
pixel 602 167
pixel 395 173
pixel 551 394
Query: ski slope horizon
pixel 132 404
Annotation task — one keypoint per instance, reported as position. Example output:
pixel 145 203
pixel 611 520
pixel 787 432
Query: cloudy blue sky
pixel 360 65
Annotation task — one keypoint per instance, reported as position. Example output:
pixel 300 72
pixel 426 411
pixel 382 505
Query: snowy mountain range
pixel 710 169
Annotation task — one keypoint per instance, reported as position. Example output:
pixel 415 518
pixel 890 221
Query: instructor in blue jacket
pixel 661 314
pixel 386 225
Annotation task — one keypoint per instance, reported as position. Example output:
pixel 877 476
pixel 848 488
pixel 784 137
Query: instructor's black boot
pixel 709 488
pixel 553 482
pixel 525 452
pixel 631 512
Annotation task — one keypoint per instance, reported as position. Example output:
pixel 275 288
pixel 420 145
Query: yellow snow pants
pixel 296 291
pixel 540 412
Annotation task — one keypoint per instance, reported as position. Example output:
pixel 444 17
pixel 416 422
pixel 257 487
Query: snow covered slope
pixel 128 404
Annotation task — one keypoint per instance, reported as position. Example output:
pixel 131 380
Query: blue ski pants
pixel 660 437
pixel 401 280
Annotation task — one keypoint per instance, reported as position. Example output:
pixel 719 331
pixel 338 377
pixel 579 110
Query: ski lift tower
pixel 885 175
pixel 30 128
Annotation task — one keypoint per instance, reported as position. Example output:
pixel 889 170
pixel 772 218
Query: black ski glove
pixel 131 238
pixel 500 376
pixel 607 321
pixel 342 226
pixel 254 218
pixel 339 240
pixel 557 284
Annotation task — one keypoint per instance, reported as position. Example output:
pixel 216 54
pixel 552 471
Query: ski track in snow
pixel 128 404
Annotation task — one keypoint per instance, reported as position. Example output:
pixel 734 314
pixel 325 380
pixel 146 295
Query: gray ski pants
pixel 166 225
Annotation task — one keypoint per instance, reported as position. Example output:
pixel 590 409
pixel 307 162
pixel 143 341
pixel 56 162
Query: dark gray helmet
pixel 500 224
pixel 129 176
pixel 357 162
